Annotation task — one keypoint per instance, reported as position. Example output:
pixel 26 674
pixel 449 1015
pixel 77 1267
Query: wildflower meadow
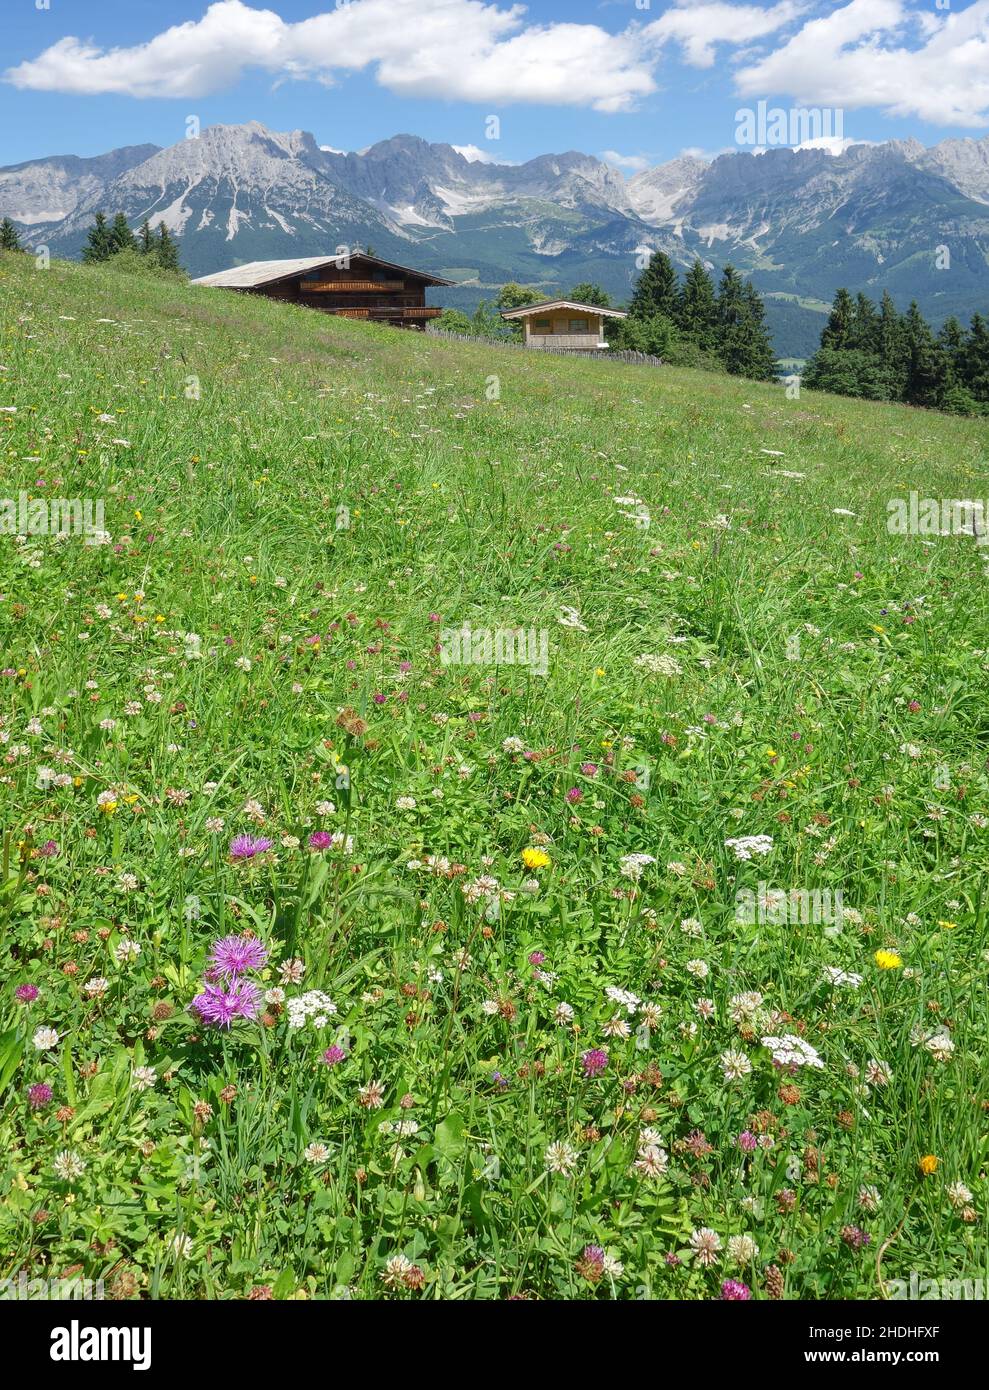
pixel 478 827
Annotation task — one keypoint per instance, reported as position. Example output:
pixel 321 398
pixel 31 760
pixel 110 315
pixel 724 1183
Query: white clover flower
pixel 561 1157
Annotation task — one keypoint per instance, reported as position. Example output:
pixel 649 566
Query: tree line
pixel 106 240
pixel 144 250
pixel 875 352
pixel 692 323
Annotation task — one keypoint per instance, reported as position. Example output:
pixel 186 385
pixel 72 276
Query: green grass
pixel 286 477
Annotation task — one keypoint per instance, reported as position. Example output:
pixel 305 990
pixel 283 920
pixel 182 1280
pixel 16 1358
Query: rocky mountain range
pixel 894 216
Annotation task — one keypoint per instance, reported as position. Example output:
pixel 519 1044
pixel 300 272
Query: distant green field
pixel 537 978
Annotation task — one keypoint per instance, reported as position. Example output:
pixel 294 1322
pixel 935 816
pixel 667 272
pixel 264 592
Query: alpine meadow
pixel 479 824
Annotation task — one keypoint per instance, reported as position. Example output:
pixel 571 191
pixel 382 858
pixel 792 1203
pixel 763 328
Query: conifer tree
pixel 121 236
pixel 9 237
pixel 166 251
pixel 657 290
pixel 698 321
pixel 744 344
pixel 99 246
pixel 926 363
pixel 838 330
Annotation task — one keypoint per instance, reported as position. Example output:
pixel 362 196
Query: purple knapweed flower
pixel 235 955
pixel 219 1007
pixel 594 1060
pixel 247 846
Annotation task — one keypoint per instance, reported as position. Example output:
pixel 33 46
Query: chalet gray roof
pixel 528 309
pixel 255 273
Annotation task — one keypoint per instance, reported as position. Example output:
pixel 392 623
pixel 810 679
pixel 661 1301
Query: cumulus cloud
pixel 862 55
pixel 469 50
pixel 698 28
pixel 868 53
pixel 635 163
pixel 475 155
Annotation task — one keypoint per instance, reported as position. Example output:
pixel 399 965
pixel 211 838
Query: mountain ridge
pixel 800 222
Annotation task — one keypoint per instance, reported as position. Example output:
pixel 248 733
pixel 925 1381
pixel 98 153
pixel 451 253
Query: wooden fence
pixel 610 355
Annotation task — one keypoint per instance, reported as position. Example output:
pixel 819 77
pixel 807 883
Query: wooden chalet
pixel 355 286
pixel 564 323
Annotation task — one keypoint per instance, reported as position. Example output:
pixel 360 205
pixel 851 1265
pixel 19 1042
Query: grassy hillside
pixel 298 509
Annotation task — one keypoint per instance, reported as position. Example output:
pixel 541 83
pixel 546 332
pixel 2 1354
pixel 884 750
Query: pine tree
pixel 926 362
pixel 9 237
pixel 145 238
pixel 838 330
pixel 864 332
pixel 975 362
pixel 99 246
pixel 698 309
pixel 744 345
pixel 121 236
pixel 657 290
pixel 167 251
pixel 890 348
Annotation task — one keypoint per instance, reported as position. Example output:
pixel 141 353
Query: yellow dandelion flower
pixel 888 960
pixel 947 926
pixel 534 858
pixel 928 1165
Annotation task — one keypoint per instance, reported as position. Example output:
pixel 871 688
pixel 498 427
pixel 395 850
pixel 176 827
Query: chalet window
pixel 578 325
pixel 542 325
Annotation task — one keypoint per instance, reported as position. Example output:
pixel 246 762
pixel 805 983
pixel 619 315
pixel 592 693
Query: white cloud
pixel 468 50
pixel 635 163
pixel 927 63
pixel 698 28
pixel 858 56
pixel 474 155
pixel 834 144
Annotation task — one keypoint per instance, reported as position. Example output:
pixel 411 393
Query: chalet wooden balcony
pixel 351 286
pixel 388 312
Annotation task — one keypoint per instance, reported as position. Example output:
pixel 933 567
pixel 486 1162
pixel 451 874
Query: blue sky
pixel 639 81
